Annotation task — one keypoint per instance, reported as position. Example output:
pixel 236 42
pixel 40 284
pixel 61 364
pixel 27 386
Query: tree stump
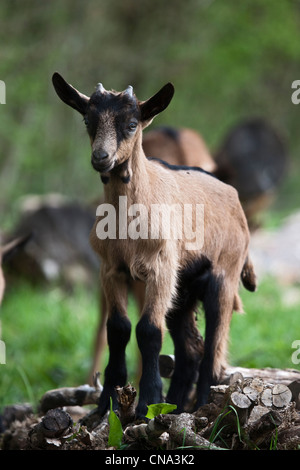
pixel 53 426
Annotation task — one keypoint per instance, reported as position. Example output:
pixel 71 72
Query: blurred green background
pixel 228 61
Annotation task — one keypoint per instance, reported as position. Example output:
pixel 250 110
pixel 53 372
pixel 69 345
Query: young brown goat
pixel 176 274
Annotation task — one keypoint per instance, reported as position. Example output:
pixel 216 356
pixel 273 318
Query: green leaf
pixel 115 429
pixel 159 409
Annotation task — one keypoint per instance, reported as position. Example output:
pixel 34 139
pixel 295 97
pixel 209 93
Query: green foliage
pixel 115 429
pixel 159 409
pixel 46 332
pixel 263 336
pixel 228 61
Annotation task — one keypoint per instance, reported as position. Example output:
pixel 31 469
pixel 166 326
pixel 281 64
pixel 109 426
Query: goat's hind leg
pixel 188 345
pixel 218 305
pixel 181 322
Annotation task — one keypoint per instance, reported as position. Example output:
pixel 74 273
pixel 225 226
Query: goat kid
pixel 175 278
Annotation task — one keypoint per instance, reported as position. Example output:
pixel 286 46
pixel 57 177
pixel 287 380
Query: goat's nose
pixel 99 155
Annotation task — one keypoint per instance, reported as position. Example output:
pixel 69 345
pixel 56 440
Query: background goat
pixel 178 147
pixel 6 251
pixel 252 157
pixel 175 277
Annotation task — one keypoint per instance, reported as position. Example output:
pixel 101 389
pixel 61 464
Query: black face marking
pixel 122 110
pixel 104 179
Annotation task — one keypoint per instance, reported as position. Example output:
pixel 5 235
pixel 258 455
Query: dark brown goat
pixel 177 271
pixel 253 158
pixel 7 250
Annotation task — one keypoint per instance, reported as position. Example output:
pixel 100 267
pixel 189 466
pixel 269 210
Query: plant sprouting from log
pixel 115 435
pixel 159 409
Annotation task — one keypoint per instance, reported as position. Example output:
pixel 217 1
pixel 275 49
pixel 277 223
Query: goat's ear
pixel 69 95
pixel 157 103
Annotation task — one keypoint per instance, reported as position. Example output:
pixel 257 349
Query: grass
pixel 49 337
pixel 263 336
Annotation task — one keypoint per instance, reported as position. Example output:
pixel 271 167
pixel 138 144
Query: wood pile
pixel 248 411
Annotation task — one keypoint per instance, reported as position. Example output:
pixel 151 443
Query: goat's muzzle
pixel 102 161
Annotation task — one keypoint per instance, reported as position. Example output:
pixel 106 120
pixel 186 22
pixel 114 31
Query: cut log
pixel 69 396
pixel 55 424
pixel 251 393
pixel 239 400
pixel 281 395
pixel 152 433
pixel 295 389
pixel 272 375
pixel 179 430
pixel 266 397
pixel 275 376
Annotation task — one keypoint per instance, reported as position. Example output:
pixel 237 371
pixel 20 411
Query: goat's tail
pixel 248 275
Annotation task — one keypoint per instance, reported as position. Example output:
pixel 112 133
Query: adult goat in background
pixel 175 277
pixel 7 250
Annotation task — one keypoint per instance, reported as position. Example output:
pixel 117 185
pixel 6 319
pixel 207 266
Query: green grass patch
pixel 263 336
pixel 49 337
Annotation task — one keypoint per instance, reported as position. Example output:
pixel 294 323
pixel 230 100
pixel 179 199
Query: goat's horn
pixel 129 91
pixel 100 88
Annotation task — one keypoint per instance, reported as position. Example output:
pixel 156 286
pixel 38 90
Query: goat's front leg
pixel 118 335
pixel 149 333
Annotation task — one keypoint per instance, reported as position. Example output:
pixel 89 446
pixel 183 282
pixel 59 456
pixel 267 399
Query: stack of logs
pixel 252 409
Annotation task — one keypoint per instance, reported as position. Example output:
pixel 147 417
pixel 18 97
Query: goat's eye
pixel 132 126
pixel 86 120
